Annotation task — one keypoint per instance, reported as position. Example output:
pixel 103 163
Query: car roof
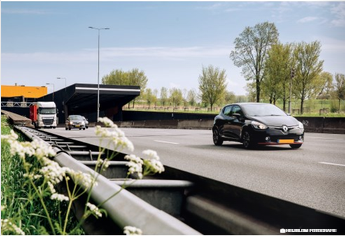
pixel 74 116
pixel 249 103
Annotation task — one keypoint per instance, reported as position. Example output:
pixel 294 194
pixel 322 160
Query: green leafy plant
pixel 40 175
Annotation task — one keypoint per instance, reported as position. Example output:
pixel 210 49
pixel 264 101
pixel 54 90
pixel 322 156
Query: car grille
pixel 48 121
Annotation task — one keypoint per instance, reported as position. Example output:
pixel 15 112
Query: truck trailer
pixel 43 115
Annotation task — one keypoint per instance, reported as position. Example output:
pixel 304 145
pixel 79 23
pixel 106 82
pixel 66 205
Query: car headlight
pixel 300 125
pixel 258 125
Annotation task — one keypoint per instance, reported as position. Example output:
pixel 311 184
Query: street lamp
pixel 53 88
pixel 63 79
pixel 99 35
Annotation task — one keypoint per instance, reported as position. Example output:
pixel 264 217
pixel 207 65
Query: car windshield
pixel 262 110
pixel 75 118
pixel 46 110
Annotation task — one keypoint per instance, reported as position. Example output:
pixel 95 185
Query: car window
pixel 236 109
pixel 227 110
pixel 263 110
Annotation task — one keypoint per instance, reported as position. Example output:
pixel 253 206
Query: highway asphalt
pixel 313 175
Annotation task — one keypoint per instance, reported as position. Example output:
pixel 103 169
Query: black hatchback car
pixel 257 124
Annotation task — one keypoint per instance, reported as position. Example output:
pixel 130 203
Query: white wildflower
pixel 32 176
pixel 59 197
pixel 151 153
pixel 135 165
pixel 155 166
pixel 7 225
pixel 52 171
pixel 116 135
pixel 94 209
pixel 51 188
pixel 131 230
pixel 83 179
pixel 134 158
pixel 104 164
pixel 36 148
pixel 11 137
pixel 107 122
pixel 152 164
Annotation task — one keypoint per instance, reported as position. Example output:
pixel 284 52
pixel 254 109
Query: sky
pixel 169 41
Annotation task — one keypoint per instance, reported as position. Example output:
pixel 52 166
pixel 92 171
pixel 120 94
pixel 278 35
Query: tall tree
pixel 164 96
pixel 251 51
pixel 308 69
pixel 278 73
pixel 116 77
pixel 230 97
pixel 150 97
pixel 176 97
pixel 339 88
pixel 133 77
pixel 191 97
pixel 137 78
pixel 212 85
pixel 327 86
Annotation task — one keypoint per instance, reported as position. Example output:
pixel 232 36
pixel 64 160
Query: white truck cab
pixel 43 114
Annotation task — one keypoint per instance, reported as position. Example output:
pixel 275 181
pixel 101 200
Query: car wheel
pixel 295 146
pixel 247 140
pixel 66 128
pixel 69 128
pixel 217 140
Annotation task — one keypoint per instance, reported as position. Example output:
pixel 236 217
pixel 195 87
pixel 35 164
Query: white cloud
pixel 167 52
pixel 88 55
pixel 308 19
pixel 24 11
pixel 339 13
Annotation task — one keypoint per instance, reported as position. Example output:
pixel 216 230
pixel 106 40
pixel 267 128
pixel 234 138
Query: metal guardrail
pixel 16 104
pixel 125 208
pixel 198 204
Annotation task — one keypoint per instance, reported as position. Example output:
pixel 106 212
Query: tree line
pixel 275 71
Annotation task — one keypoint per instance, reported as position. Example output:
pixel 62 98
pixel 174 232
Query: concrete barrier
pixel 140 119
pixel 335 125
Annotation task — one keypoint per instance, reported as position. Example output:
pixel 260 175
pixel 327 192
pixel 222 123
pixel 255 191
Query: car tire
pixel 66 128
pixel 247 140
pixel 217 140
pixel 295 146
pixel 69 128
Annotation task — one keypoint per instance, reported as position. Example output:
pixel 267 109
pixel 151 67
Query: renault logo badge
pixel 285 128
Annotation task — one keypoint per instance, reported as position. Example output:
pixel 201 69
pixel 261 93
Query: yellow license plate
pixel 286 141
pixel 77 126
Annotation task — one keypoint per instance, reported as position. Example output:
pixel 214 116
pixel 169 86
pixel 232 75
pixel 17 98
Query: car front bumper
pixel 276 136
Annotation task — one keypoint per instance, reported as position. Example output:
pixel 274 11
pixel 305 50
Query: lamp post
pixel 63 79
pixel 99 36
pixel 53 88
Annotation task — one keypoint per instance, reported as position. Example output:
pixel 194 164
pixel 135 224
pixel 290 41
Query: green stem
pixel 43 205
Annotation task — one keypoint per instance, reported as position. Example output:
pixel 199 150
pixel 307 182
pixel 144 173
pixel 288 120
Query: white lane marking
pixel 161 141
pixel 333 164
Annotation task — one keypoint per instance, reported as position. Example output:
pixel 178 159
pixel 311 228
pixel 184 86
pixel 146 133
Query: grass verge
pixel 21 210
